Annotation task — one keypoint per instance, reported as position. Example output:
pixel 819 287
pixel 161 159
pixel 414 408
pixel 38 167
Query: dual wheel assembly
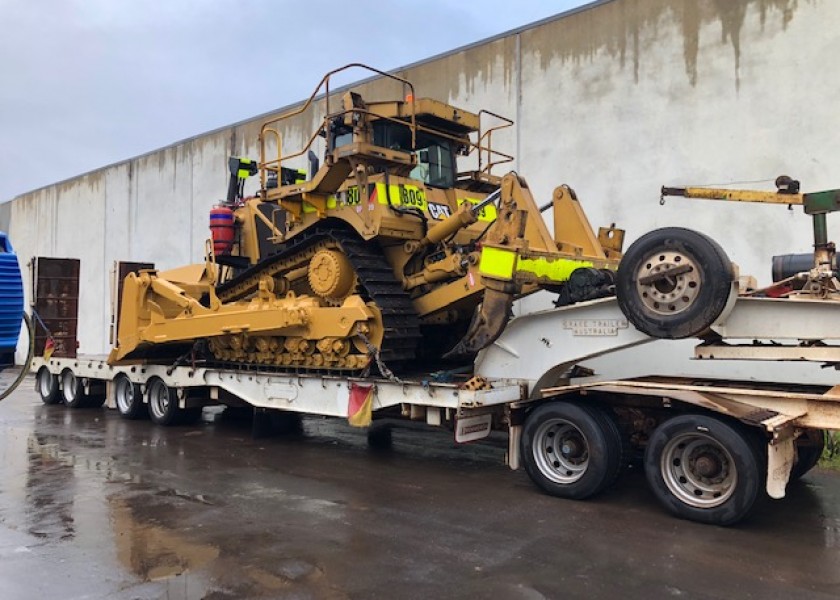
pixel 700 467
pixel 68 389
pixel 161 403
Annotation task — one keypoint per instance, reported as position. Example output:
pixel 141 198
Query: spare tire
pixel 674 283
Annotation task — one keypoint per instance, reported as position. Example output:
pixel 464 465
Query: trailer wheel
pixel 674 306
pixel 571 450
pixel 72 390
pixel 128 398
pixel 163 402
pixel 46 384
pixel 620 442
pixel 703 469
pixel 809 449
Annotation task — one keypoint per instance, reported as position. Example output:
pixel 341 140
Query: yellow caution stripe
pixel 558 269
pixel 402 194
pixel 331 203
pixel 504 264
pixel 498 263
pixel 406 195
pixel 245 169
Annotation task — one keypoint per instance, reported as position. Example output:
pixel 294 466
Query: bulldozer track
pixel 377 284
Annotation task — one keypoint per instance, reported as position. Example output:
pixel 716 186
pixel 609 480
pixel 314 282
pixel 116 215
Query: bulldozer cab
pixel 435 155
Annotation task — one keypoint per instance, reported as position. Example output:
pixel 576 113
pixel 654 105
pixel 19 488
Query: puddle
pixel 153 552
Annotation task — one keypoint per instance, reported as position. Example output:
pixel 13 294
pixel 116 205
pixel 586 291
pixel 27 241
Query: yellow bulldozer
pixel 386 255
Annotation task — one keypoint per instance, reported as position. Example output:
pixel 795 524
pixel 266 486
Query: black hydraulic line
pixel 403 210
pixel 30 354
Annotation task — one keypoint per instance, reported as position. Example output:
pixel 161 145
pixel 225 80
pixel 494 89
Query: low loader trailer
pixel 380 284
pixel 580 391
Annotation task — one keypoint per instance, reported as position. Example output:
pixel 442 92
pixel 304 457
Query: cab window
pixel 436 164
pixel 435 155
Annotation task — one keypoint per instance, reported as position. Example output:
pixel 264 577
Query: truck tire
pixel 704 469
pixel 46 384
pixel 619 440
pixel 72 390
pixel 129 398
pixel 570 450
pixel 679 306
pixel 809 449
pixel 163 403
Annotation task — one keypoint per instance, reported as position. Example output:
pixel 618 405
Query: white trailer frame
pixel 326 395
pixel 782 342
pixel 584 349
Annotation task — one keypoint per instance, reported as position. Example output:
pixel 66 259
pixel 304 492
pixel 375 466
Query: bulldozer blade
pixel 487 324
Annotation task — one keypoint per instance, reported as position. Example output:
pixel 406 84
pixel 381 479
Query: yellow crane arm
pixel 778 197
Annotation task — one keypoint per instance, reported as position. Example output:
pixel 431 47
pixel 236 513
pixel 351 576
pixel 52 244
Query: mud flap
pixel 514 441
pixel 780 457
pixel 472 428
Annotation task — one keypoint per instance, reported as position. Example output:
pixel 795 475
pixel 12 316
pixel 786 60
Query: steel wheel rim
pixel 698 470
pixel 45 383
pixel 125 395
pixel 561 451
pixel 670 295
pixel 159 399
pixel 68 385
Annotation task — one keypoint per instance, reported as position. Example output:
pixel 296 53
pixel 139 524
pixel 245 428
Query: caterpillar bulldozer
pixel 384 256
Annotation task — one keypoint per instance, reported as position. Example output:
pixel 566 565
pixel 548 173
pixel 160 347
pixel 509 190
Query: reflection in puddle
pixel 153 552
pixel 83 496
pixel 50 491
pixel 189 569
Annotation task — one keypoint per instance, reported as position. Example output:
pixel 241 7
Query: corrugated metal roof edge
pixel 489 40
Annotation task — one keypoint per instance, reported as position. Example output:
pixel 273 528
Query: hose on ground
pixel 30 354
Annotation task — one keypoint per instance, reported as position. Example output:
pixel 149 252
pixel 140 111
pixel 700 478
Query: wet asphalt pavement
pixel 92 506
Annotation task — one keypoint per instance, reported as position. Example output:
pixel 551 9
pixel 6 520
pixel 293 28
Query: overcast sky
pixel 86 83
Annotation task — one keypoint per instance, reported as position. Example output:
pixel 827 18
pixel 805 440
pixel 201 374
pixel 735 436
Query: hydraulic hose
pixel 30 354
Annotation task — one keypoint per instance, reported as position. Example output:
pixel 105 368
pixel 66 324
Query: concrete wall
pixel 5 216
pixel 615 99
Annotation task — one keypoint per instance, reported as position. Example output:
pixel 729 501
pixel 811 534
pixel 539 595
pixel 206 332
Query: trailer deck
pixel 585 357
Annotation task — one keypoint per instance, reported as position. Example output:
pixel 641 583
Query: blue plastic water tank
pixel 11 301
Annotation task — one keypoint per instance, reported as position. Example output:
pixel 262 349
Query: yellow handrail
pixel 483 144
pixel 489 135
pixel 324 83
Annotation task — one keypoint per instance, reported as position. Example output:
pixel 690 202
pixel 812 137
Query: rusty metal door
pixel 55 297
